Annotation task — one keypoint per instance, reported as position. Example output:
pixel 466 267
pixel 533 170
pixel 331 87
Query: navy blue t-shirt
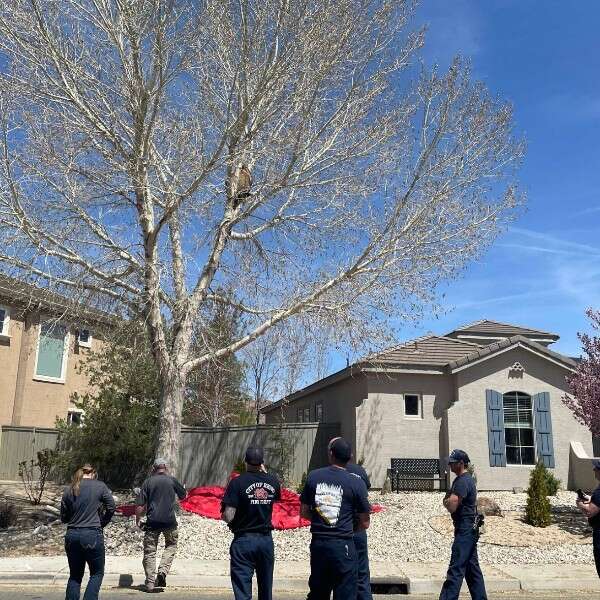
pixel 357 470
pixel 595 499
pixel 335 498
pixel 252 495
pixel 464 487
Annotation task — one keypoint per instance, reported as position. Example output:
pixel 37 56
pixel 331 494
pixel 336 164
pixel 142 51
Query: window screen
pixel 518 429
pixel 411 405
pixel 51 351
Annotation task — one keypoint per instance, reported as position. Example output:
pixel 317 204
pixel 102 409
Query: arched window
pixel 518 429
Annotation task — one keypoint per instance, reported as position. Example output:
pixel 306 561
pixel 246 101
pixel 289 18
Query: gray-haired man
pixel 157 499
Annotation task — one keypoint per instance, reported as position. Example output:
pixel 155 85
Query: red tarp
pixel 206 501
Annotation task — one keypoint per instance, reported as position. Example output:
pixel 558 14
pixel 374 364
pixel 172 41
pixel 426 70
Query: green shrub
pixel 302 483
pixel 537 511
pixel 471 471
pixel 552 483
pixel 9 514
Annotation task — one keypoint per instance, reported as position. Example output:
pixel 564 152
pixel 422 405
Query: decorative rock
pixel 51 509
pixel 517 490
pixel 488 507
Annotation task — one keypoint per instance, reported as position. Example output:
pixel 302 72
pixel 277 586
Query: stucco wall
pixel 467 419
pixel 9 359
pixel 339 405
pixel 384 432
pixel 25 400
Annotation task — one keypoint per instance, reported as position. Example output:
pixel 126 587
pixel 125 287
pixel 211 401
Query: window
pixel 84 338
pixel 412 406
pixel 319 412
pixel 75 418
pixel 304 415
pixel 518 429
pixel 300 415
pixel 4 321
pixel 51 360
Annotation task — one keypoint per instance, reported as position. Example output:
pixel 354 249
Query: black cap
pixel 458 456
pixel 341 449
pixel 254 456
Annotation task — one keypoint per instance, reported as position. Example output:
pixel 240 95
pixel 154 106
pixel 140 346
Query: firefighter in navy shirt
pixel 247 508
pixel 361 542
pixel 461 503
pixel 590 507
pixel 336 503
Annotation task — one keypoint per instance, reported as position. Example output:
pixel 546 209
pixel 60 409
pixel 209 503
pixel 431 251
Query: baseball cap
pixel 160 462
pixel 457 456
pixel 596 465
pixel 254 456
pixel 341 449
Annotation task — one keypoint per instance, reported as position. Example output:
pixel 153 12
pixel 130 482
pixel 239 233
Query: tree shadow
pixel 572 522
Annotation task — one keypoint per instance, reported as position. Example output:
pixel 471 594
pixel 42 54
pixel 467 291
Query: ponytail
pixel 78 476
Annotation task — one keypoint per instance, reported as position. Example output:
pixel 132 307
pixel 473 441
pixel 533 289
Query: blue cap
pixel 596 465
pixel 254 456
pixel 458 456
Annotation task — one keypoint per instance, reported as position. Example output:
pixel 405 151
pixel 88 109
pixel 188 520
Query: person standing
pixel 247 508
pixel 590 507
pixel 157 499
pixel 87 506
pixel 461 503
pixel 335 502
pixel 361 542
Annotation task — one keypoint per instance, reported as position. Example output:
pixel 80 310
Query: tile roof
pixel 496 327
pixel 429 350
pixel 492 349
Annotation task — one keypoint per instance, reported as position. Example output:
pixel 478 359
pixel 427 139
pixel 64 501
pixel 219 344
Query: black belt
pixel 251 533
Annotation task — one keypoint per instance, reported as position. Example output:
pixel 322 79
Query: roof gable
pixel 517 341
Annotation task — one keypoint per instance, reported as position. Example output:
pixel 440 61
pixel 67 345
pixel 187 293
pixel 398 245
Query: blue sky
pixel 545 58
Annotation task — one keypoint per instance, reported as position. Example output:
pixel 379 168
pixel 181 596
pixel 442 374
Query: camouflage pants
pixel 151 537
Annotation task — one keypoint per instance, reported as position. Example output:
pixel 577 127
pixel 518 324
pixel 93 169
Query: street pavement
pixel 56 593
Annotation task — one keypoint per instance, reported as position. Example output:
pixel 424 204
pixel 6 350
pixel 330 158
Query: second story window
pixel 4 321
pixel 84 338
pixel 51 359
pixel 319 412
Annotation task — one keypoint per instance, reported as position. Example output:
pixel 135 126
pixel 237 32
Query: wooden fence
pixel 207 454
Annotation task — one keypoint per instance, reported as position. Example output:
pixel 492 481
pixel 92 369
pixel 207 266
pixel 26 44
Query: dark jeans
pixel 333 568
pixel 364 574
pixel 252 552
pixel 84 546
pixel 464 564
pixel 596 542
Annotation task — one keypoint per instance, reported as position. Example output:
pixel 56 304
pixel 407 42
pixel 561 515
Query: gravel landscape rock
pixel 410 529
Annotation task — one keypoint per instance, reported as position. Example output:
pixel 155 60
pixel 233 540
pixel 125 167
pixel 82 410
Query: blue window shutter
pixel 495 418
pixel 543 429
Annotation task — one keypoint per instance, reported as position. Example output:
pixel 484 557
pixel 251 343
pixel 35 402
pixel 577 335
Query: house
pixel 43 339
pixel 490 388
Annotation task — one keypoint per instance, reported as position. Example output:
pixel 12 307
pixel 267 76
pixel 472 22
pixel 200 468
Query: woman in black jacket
pixel 87 506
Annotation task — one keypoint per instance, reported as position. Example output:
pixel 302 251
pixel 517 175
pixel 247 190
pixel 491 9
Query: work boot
pixel 161 580
pixel 149 586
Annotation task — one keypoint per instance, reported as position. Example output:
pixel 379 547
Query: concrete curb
pixel 414 585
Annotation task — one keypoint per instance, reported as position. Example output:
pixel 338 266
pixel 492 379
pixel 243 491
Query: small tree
pixel 537 511
pixel 584 384
pixel 34 474
pixel 118 431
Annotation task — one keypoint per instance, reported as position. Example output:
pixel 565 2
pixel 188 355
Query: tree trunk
pixel 169 428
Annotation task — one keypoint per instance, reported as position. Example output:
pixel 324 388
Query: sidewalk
pixel 419 578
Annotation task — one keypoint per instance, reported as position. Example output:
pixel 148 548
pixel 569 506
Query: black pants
pixel 84 546
pixel 596 542
pixel 464 564
pixel 333 568
pixel 364 574
pixel 252 552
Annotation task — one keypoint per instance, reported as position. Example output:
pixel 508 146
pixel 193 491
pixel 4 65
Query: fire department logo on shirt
pixel 328 502
pixel 260 493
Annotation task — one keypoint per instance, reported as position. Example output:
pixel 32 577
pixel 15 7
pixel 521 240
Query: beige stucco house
pixel 43 339
pixel 489 388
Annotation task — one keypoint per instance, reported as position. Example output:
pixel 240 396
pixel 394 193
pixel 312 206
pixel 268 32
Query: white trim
pixel 87 344
pixel 507 349
pixel 67 342
pixel 5 331
pixel 415 371
pixel 418 417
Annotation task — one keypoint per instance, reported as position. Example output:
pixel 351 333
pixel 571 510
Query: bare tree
pixel 156 151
